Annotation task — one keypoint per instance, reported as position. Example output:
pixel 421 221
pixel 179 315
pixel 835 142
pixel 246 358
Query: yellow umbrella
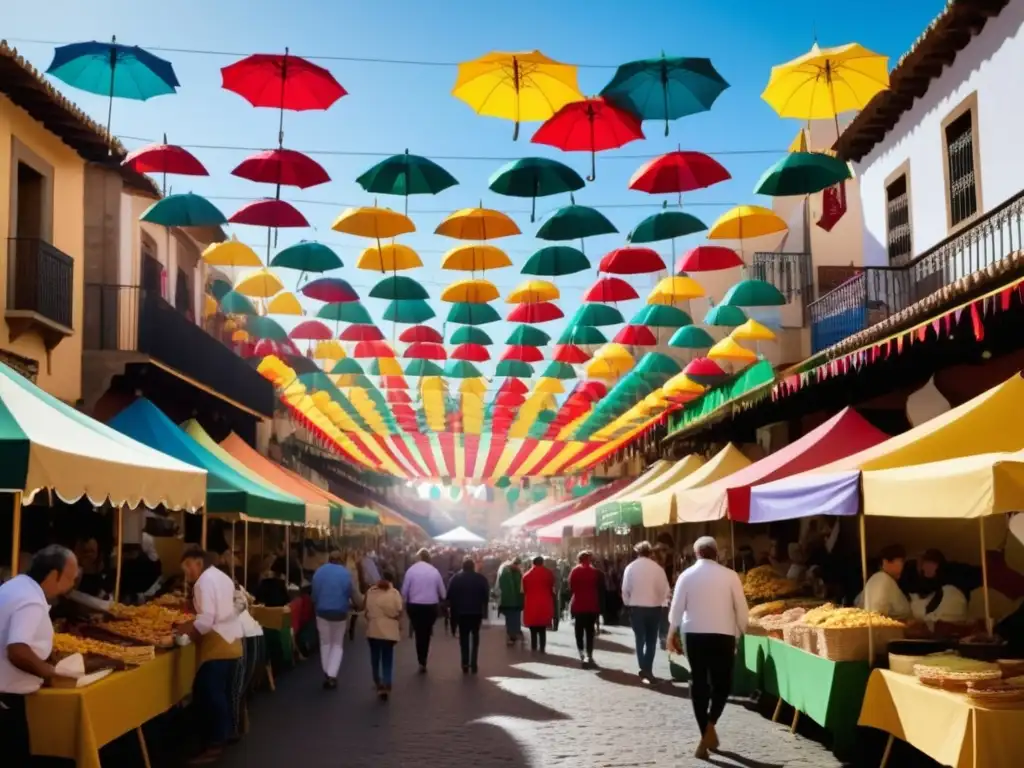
pixel 329 349
pixel 729 349
pixel 284 303
pixel 259 284
pixel 532 292
pixel 525 86
pixel 603 368
pixel 799 143
pixel 746 221
pixel 376 223
pixel 672 289
pixel 616 352
pixel 477 224
pixel 470 292
pixel 475 258
pixel 389 258
pixel 433 384
pixel 681 384
pixel 825 82
pixel 230 325
pixel 389 366
pixel 752 331
pixel 550 386
pixel 210 305
pixel 472 386
pixel 231 253
pixel 239 336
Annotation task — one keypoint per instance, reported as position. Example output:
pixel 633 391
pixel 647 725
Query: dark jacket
pixel 468 594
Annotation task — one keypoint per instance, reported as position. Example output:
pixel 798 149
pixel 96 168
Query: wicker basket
pixel 800 636
pixel 853 643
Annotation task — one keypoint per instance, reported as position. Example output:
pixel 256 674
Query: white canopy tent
pixel 459 535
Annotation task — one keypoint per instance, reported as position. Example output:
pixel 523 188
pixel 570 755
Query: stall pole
pixel 120 554
pixel 984 577
pixel 732 543
pixel 233 572
pixel 864 575
pixel 287 557
pixel 245 555
pixel 202 536
pixel 16 534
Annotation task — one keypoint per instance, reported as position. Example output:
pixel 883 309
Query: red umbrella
pixel 541 312
pixel 269 213
pixel 514 385
pixel 164 158
pixel 330 289
pixel 523 354
pixel 593 390
pixel 636 336
pixel 704 371
pixel 631 261
pixel 373 349
pixel 311 330
pixel 571 354
pixel 393 382
pixel 401 408
pixel 509 400
pixel 282 166
pixel 474 353
pixel 265 347
pixel 708 258
pixel 678 172
pixel 591 125
pixel 398 396
pixel 361 333
pixel 426 350
pixel 421 333
pixel 610 289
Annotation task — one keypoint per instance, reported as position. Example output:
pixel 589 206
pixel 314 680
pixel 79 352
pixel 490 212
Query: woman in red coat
pixel 538 603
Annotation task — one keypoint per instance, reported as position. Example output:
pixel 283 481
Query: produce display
pixel 66 645
pixel 828 616
pixel 763 583
pixel 957 673
pixel 151 623
pixel 776 622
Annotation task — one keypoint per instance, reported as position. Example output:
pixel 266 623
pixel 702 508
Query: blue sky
pixel 391 107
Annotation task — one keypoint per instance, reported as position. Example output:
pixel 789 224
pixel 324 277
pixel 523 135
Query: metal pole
pixel 120 554
pixel 16 534
pixel 864 574
pixel 984 577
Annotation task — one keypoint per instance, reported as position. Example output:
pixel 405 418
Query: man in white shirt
pixel 882 593
pixel 645 590
pixel 26 642
pixel 708 611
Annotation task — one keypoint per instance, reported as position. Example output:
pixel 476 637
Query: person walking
pixel 585 605
pixel 510 600
pixel 645 590
pixel 469 595
pixel 383 611
pixel 333 595
pixel 708 613
pixel 423 591
pixel 538 603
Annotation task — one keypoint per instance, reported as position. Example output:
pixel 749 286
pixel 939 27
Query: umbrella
pixel 802 173
pixel 582 334
pixel 282 167
pixel 575 222
pixel 375 223
pixel 408 311
pixel 704 371
pixel 661 316
pixel 464 313
pixel 746 221
pixel 372 349
pixel 665 88
pixel 631 261
pixel 260 284
pixel 515 368
pixel 559 370
pixel 753 293
pixel 541 312
pixel 521 86
pixel 423 368
pixel 269 212
pixel 473 258
pixel 421 333
pixel 111 69
pixel 610 289
pixel 398 287
pixel 709 258
pixel 752 331
pixel 729 349
pixel 284 303
pixel 475 353
pixel 534 177
pixel 678 172
pixel 591 125
pixel 555 261
pixel 596 315
pixel 345 312
pixel 522 353
pixel 235 303
pixel 346 366
pixel 219 287
pixel 725 316
pixel 636 336
pixel 469 334
pixel 384 366
pixel 461 369
pixel 185 210
pixel 163 159
pixel 477 291
pixel 307 256
pixel 477 224
pixel 533 291
pixel 682 385
pixel 657 364
pixel 406 175
pixel 230 253
pixel 529 336
pixel 390 258
pixel 514 386
pixel 665 225
pixel 310 330
pixel 675 288
pixel 328 350
pixel 570 353
pixel 361 332
pixel 603 368
pixel 330 289
pixel 265 328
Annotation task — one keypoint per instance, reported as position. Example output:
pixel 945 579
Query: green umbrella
pixel 435 493
pixel 317 380
pixel 802 173
pixel 516 368
pixel 398 288
pixel 264 328
pixel 408 311
pixel 691 337
pixel 307 256
pixel 555 261
pixel 754 293
pixel 423 368
pixel 461 369
pixel 665 225
pixel 469 334
pixel 234 303
pixel 345 312
pixel 347 365
pixel 528 336
pixel 657 364
pixel 464 313
pixel 406 175
pixel 661 316
pixel 725 316
pixel 187 210
pixel 218 288
pixel 512 495
pixel 534 177
pixel 557 370
pixel 539 492
pixel 502 482
pixel 597 315
pixel 575 222
pixel 581 335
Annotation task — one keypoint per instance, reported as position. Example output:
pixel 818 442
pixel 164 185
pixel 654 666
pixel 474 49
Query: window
pixel 897 221
pixel 183 294
pixel 963 188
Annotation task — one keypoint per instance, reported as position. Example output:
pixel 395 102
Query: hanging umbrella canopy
pixel 398 397
pixel 475 258
pixel 516 368
pixel 752 331
pixel 802 173
pixel 219 287
pixel 329 350
pixel 389 258
pixel 361 332
pixel 596 315
pixel 636 336
pixel 678 172
pixel 399 287
pixel 657 364
pixel 476 291
pixel 704 371
pixel 469 334
pixel 523 354
pixel 164 158
pixel 604 369
pixel 421 333
pixel 570 354
pixel 372 349
pixel 665 225
pixel 423 368
pixel 674 288
pixel 408 311
pixel 384 366
pixel 477 224
pixel 608 289
pixel 265 328
pixel 345 312
pixel 691 337
pixel 541 312
pixel 729 349
pixel 575 222
pixel 515 386
pixel 259 284
pixel 754 293
pixel 113 70
pixel 534 177
pixel 239 336
pixel 665 88
pixel 533 291
pixel 581 334
pixel 235 303
pixel 464 313
pixel 826 82
pixel 307 256
pixel 406 175
pixel 527 335
pixel 555 261
pixel 186 210
pixel 269 213
pixel 590 125
pixel 746 221
pixel 330 289
pixel 310 330
pixel 725 316
pixel 631 261
pixel 347 366
pixel 284 303
pixel 614 351
pixel 281 82
pixel 661 316
pixel 230 253
pixel 474 353
pixel 461 369
pixel 284 167
pixel 519 86
pixel 374 223
pixel 709 258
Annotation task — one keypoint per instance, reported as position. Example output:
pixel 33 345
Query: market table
pixel 745 681
pixel 74 723
pixel 277 629
pixel 948 727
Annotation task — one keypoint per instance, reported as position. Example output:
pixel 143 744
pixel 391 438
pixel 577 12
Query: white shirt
pixel 884 596
pixel 645 585
pixel 24 618
pixel 709 599
pixel 952 606
pixel 214 598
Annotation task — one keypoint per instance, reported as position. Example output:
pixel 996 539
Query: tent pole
pixel 864 574
pixel 245 556
pixel 287 557
pixel 984 577
pixel 234 578
pixel 16 534
pixel 202 535
pixel 120 554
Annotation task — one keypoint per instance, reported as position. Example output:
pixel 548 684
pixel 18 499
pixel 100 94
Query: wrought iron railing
pixel 876 293
pixel 40 279
pixel 792 273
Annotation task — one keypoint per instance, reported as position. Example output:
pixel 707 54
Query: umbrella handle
pixel 515 132
pixel 593 166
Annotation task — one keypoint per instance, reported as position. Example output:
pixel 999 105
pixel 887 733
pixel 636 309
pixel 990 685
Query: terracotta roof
pixel 26 86
pixel 951 31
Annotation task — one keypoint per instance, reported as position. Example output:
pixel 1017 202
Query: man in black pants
pixel 708 613
pixel 423 591
pixel 585 586
pixel 468 597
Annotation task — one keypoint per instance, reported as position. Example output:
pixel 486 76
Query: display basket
pixel 801 636
pixel 854 643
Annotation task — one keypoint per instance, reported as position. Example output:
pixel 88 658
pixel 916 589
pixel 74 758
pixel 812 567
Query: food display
pixel 1009 691
pixel 151 623
pixel 828 616
pixel 65 645
pixel 763 584
pixel 956 673
pixel 776 622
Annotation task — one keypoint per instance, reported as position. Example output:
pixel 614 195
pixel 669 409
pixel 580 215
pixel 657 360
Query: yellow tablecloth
pixel 948 727
pixel 271 618
pixel 75 723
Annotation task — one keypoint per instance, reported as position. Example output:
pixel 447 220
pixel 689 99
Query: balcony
pixel 131 320
pixel 40 290
pixel 876 293
pixel 791 272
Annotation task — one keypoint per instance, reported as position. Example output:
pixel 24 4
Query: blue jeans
pixel 382 660
pixel 513 622
pixel 212 693
pixel 645 622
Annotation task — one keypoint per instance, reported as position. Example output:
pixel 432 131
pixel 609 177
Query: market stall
pixel 625 510
pixel 571 507
pixel 660 508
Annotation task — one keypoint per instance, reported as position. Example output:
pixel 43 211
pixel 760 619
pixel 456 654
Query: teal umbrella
pixel 528 336
pixel 406 175
pixel 461 369
pixel 596 315
pixel 218 288
pixel 185 210
pixel 345 312
pixel 502 482
pixel 665 225
pixel 516 368
pixel 399 288
pixel 307 256
pixel 725 316
pixel 575 222
pixel 234 303
pixel 691 337
pixel 469 334
pixel 657 364
pixel 555 261
pixel 534 177
pixel 423 368
pixel 408 311
pixel 347 365
pixel 464 313
pixel 556 370
pixel 512 495
pixel 802 173
pixel 581 335
pixel 753 293
pixel 264 328
pixel 661 316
